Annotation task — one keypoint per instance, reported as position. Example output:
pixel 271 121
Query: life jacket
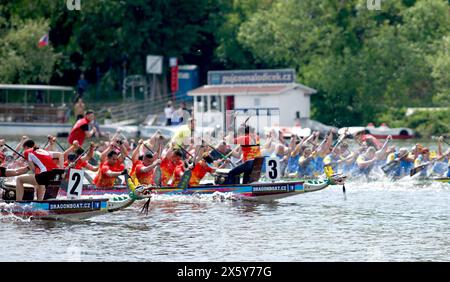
pixel 332 160
pixel 77 133
pixel 249 152
pixel 42 159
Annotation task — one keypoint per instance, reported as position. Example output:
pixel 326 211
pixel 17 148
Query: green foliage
pixel 363 63
pixel 22 61
pixel 425 123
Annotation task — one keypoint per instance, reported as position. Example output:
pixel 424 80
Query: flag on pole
pixel 43 41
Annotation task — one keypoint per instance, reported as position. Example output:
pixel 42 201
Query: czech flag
pixel 43 41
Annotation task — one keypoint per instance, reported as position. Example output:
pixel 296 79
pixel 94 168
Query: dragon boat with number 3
pixel 255 190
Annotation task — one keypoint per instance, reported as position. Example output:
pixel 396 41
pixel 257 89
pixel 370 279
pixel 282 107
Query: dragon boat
pixel 53 208
pixel 254 190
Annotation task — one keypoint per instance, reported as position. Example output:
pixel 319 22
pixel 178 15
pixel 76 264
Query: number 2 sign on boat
pixel 75 187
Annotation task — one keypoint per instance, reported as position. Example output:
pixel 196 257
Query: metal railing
pixel 137 111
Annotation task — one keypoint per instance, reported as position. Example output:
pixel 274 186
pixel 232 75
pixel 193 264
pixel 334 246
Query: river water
pixel 378 221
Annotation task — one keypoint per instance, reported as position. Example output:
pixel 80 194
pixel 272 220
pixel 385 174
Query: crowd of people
pixel 237 152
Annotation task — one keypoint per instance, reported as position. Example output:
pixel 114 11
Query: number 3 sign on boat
pixel 273 169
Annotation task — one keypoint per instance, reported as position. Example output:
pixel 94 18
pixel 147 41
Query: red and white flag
pixel 43 41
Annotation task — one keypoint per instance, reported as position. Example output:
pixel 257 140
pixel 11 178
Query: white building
pixel 253 89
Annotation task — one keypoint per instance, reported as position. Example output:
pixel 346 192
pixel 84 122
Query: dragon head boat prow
pixel 337 179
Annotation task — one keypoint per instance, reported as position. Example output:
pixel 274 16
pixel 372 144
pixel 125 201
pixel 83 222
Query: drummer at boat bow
pixel 80 130
pixel 41 163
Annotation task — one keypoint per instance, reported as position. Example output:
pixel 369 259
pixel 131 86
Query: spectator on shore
pixel 168 111
pixel 79 108
pixel 81 86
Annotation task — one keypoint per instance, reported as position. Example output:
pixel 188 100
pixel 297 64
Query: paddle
pixel 446 142
pixel 151 151
pixel 59 145
pixel 19 154
pixel 48 140
pixel 341 138
pixel 391 165
pixel 418 169
pixel 224 157
pixel 185 151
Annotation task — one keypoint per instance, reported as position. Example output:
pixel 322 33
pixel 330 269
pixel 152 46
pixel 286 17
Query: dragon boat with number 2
pixel 52 208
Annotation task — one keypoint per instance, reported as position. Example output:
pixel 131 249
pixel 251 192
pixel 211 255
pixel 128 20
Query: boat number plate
pixel 75 186
pixel 273 169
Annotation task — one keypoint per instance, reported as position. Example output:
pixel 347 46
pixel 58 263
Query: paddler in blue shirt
pixel 321 152
pixel 348 160
pixel 366 162
pixel 405 163
pixel 306 164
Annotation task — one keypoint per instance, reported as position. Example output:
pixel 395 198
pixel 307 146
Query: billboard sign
pixel 251 77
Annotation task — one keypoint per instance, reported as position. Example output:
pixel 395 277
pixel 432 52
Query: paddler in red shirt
pixel 80 130
pixel 77 158
pixel 110 170
pixel 41 163
pixel 370 140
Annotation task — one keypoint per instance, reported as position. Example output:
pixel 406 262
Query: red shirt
pixel 143 177
pixel 167 169
pixel 77 132
pixel 79 165
pixel 198 172
pixel 102 179
pixel 41 158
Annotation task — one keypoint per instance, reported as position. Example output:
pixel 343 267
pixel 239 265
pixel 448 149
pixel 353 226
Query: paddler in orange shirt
pixel 169 164
pixel 201 168
pixel 110 170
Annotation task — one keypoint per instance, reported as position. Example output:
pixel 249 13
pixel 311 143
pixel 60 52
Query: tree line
pixel 364 63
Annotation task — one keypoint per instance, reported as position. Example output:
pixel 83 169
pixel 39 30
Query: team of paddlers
pixel 298 157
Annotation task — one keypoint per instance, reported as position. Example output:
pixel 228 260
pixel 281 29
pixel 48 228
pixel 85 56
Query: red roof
pixel 245 89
